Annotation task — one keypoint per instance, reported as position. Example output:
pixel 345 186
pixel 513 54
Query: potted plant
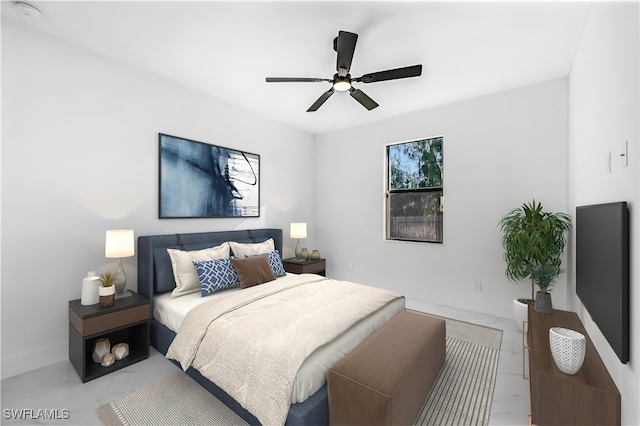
pixel 107 289
pixel 544 275
pixel 531 237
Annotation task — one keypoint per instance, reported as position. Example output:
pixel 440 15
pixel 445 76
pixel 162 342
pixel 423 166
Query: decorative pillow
pixel 275 262
pixel 253 270
pixel 185 273
pixel 242 249
pixel 216 275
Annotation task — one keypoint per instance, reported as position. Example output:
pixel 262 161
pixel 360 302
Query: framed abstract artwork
pixel 199 180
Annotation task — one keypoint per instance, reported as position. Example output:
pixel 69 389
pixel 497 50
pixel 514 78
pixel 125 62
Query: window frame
pixel 388 193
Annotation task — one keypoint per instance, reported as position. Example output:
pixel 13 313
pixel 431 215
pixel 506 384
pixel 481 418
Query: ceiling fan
pixel 345 45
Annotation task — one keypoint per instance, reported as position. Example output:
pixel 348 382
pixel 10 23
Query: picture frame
pixel 200 180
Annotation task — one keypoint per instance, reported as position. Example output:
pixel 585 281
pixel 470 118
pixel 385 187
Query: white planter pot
pixel 520 313
pixel 107 296
pixel 106 291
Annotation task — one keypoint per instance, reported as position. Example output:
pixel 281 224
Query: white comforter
pixel 252 343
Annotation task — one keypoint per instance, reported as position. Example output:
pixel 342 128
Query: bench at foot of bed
pixel 386 379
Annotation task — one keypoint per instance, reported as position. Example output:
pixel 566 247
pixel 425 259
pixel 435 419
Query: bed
pixel 156 282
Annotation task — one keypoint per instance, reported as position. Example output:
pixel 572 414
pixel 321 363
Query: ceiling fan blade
pixel 361 97
pixel 295 80
pixel 345 45
pixel 317 104
pixel 412 71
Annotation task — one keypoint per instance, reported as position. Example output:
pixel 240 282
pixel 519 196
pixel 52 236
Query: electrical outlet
pixel 478 285
pixel 350 266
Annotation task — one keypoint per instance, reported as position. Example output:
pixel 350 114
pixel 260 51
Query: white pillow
pixel 185 274
pixel 242 249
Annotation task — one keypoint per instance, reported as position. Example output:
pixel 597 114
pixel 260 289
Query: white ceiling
pixel 226 49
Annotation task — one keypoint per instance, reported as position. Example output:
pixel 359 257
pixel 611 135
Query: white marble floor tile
pixel 58 387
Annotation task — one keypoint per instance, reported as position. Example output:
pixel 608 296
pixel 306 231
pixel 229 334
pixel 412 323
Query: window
pixel 414 190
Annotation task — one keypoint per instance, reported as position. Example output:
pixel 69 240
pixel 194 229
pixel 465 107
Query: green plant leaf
pixel 532 237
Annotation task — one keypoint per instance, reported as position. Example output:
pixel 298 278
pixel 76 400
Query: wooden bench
pixel 386 379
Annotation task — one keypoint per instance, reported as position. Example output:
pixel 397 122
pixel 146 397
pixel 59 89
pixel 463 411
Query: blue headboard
pixel 155 274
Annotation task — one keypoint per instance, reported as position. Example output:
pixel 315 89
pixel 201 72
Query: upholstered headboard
pixel 154 266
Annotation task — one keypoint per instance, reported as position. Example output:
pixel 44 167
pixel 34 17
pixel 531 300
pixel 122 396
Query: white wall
pixel 500 151
pixel 604 111
pixel 80 156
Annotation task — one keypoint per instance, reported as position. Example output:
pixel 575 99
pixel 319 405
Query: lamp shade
pixel 298 230
pixel 119 243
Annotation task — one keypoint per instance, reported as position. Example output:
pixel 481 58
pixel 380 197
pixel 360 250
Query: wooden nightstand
pixel 127 321
pixel 318 266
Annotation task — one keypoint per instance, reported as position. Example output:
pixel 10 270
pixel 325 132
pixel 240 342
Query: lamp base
pixel 120 287
pixel 123 295
pixel 298 251
pixel 121 279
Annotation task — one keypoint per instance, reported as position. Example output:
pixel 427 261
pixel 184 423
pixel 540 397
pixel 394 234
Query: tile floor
pixel 57 386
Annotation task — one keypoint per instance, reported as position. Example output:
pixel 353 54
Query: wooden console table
pixel 590 397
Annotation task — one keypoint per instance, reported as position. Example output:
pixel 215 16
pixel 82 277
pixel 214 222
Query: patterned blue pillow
pixel 216 275
pixel 274 261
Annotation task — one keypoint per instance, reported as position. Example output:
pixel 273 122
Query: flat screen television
pixel 602 270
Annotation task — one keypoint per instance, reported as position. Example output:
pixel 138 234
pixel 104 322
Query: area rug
pixel 463 391
pixel 176 399
pixel 460 396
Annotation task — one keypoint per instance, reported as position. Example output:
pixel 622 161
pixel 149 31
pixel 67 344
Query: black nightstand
pixel 127 321
pixel 317 266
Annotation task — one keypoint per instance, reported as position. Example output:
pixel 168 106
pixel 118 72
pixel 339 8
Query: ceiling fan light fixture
pixel 342 84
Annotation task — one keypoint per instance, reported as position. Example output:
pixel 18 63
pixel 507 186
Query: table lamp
pixel 119 244
pixel 298 230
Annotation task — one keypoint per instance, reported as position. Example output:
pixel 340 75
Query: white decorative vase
pixel 568 348
pixel 90 286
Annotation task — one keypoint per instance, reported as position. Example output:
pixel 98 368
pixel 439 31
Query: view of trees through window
pixel 414 190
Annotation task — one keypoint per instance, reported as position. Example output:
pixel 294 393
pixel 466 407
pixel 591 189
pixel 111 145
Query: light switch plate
pixel 624 154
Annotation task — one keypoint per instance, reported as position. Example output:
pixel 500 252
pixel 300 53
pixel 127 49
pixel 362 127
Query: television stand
pixel 590 397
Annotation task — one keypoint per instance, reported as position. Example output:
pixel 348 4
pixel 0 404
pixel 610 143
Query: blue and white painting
pixel 202 180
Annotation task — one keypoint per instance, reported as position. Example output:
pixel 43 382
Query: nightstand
pixel 127 321
pixel 317 266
